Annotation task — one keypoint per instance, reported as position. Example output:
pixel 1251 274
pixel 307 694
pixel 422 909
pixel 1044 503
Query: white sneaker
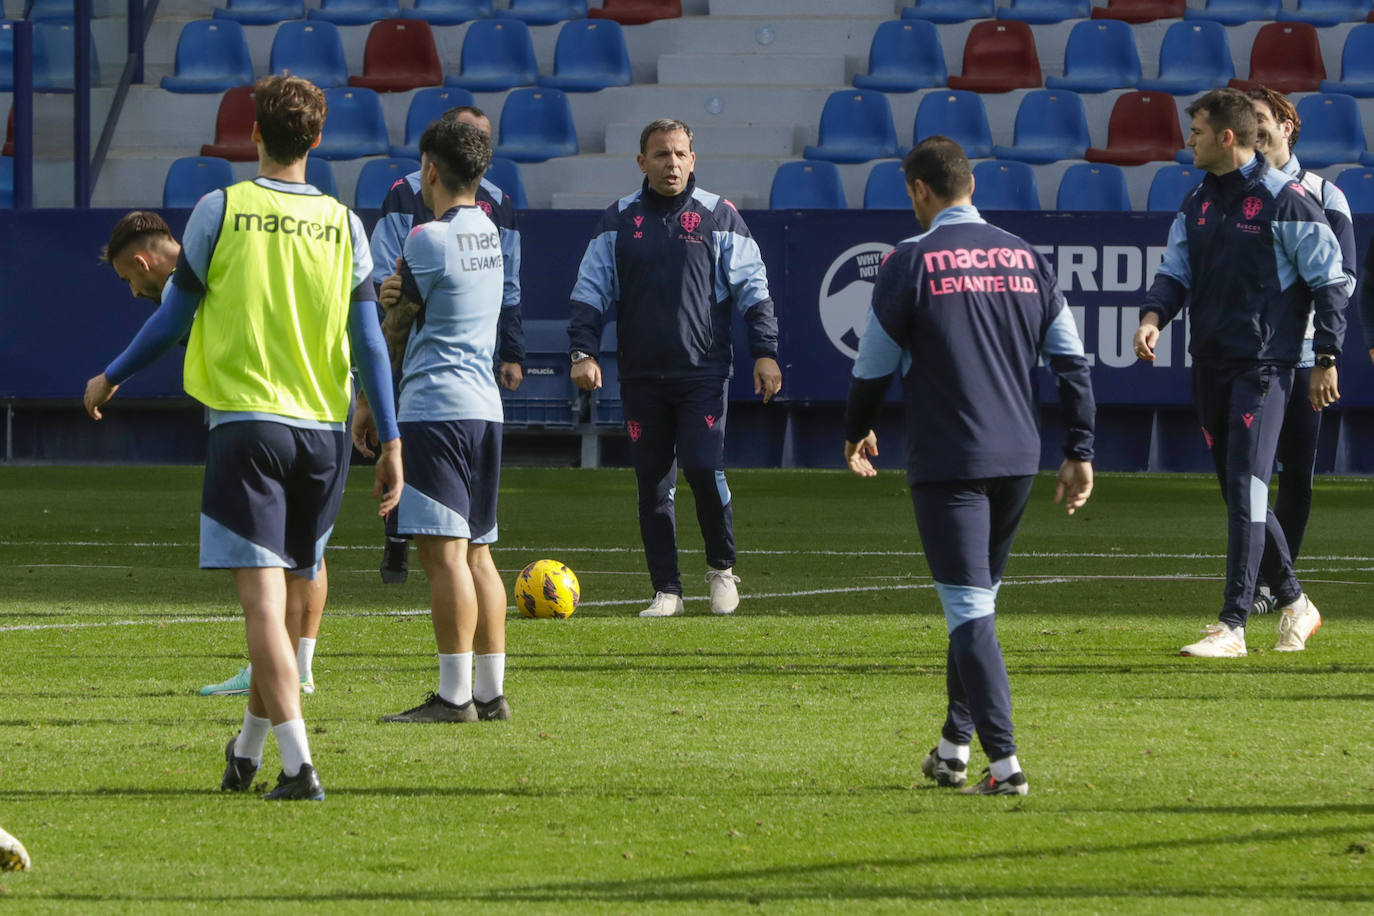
pixel 663 605
pixel 724 595
pixel 1297 622
pixel 13 856
pixel 1220 642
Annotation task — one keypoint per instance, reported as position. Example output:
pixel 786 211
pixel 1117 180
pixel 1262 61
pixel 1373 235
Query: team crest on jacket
pixel 634 429
pixel 486 206
pixel 690 220
pixel 1251 207
pixel 1297 187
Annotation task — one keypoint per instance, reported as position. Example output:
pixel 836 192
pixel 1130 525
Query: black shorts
pixel 453 474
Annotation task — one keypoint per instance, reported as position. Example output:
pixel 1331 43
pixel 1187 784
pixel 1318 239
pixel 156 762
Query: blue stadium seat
pixel 545 12
pixel 546 398
pixel 807 186
pixel 320 173
pixel 1184 156
pixel 192 177
pixel 311 49
pixel 590 55
pixel 377 177
pixel 1326 12
pixel 1332 131
pixel 6 56
pixel 1358 185
pixel 1044 12
pixel 261 12
pixel 212 56
pixel 1169 185
pixel 1093 186
pixel 354 127
pixel 1357 64
pixel 6 182
pixel 54 56
pixel 959 115
pixel 885 188
pixel 950 10
pixel 536 124
pixel 1194 57
pixel 449 12
pixel 999 185
pixel 1051 124
pixel 51 11
pixel 905 55
pixel 498 54
pixel 856 126
pixel 426 107
pixel 505 174
pixel 1100 55
pixel 355 12
pixel 608 410
pixel 1235 12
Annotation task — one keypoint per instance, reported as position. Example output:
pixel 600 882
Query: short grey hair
pixel 667 125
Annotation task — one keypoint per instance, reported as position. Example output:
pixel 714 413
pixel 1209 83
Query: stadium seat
pixel 192 177
pixel 354 12
pixel 1089 186
pixel 546 398
pixel 212 56
pixel 608 410
pixel 536 124
pixel 1001 185
pixel 311 49
pixel 1137 11
pixel 1358 185
pixel 400 56
pixel 6 56
pixel 1044 12
pixel 261 12
pixel 50 11
pixel 1235 12
pixel 957 114
pixel 638 12
pixel 1100 55
pixel 377 177
pixel 1144 127
pixel 426 107
pixel 54 56
pixel 1169 185
pixel 885 188
pixel 234 127
pixel 1326 12
pixel 354 127
pixel 505 174
pixel 807 186
pixel 905 56
pixel 448 12
pixel 1287 57
pixel 1332 131
pixel 590 55
pixel 498 54
pixel 1194 57
pixel 1357 64
pixel 856 126
pixel 1051 125
pixel 8 149
pixel 320 173
pixel 999 56
pixel 545 12
pixel 6 182
pixel 943 11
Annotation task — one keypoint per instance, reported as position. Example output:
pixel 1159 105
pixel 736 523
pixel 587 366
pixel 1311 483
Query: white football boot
pixel 1297 622
pixel 13 855
pixel 663 605
pixel 1220 642
pixel 724 594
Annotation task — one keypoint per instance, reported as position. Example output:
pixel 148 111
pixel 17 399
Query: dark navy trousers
pixel 676 422
pixel 1297 462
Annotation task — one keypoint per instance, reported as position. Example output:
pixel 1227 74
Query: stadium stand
pixel 192 177
pixel 546 398
pixel 1332 131
pixel 1050 125
pixel 1326 12
pixel 400 56
pixel 959 115
pixel 1140 11
pixel 1169 185
pixel 377 177
pixel 1044 12
pixel 1194 57
pixel 856 126
pixel 505 174
pixel 426 107
pixel 637 12
pixel 999 185
pixel 545 12
pixel 54 56
pixel 999 56
pixel 311 49
pixel 8 149
pixel 1357 64
pixel 6 56
pixel 261 12
pixel 6 182
pixel 536 124
pixel 320 173
pixel 354 12
pixel 1358 185
pixel 1144 127
pixel 807 186
pixel 354 127
pixel 950 10
pixel 607 409
pixel 448 12
pixel 498 54
pixel 1286 56
pixel 1100 55
pixel 212 56
pixel 50 11
pixel 1235 12
pixel 905 56
pixel 234 127
pixel 590 56
pixel 1093 186
pixel 885 188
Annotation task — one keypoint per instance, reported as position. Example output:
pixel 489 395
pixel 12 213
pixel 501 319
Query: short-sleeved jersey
pixel 453 270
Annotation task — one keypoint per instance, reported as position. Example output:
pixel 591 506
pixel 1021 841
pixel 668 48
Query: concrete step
pixel 849 9
pixel 751 69
pixel 711 139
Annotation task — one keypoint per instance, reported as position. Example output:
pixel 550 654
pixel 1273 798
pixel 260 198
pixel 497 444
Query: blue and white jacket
pixel 1337 210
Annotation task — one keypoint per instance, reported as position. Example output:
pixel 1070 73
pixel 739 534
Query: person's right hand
pixel 1074 485
pixel 1144 342
pixel 856 455
pixel 390 292
pixel 587 374
pixel 364 430
pixel 390 478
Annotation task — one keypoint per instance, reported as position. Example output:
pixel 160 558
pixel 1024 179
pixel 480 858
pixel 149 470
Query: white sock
pixel 294 747
pixel 1005 768
pixel 491 677
pixel 252 737
pixel 950 751
pixel 305 656
pixel 455 677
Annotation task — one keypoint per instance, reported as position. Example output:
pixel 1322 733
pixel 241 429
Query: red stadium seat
pixel 1144 127
pixel 638 12
pixel 9 135
pixel 1141 10
pixel 400 56
pixel 234 127
pixel 1286 57
pixel 999 56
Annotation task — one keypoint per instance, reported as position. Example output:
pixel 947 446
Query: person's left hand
pixel 856 455
pixel 1322 390
pixel 390 477
pixel 510 375
pixel 767 377
pixel 364 430
pixel 98 391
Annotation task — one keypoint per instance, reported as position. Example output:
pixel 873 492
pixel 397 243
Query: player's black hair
pixel 939 162
pixel 1228 109
pixel 460 151
pixel 667 125
pixel 133 230
pixel 1280 108
pixel 290 112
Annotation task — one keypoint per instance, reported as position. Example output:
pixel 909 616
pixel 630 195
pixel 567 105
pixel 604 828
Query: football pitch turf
pixel 766 762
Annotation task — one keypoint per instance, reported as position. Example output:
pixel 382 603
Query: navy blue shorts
pixel 271 495
pixel 453 473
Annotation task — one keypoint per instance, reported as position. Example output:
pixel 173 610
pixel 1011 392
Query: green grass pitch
pixel 767 762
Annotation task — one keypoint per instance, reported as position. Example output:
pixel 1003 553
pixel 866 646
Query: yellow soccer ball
pixel 547 589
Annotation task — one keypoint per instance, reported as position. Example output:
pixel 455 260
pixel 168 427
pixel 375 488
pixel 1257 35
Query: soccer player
pixel 964 312
pixel 1252 255
pixel 13 855
pixel 1278 126
pixel 675 261
pixel 405 207
pixel 450 413
pixel 144 254
pixel 274 285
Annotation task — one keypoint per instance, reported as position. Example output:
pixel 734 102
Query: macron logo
pixel 964 258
